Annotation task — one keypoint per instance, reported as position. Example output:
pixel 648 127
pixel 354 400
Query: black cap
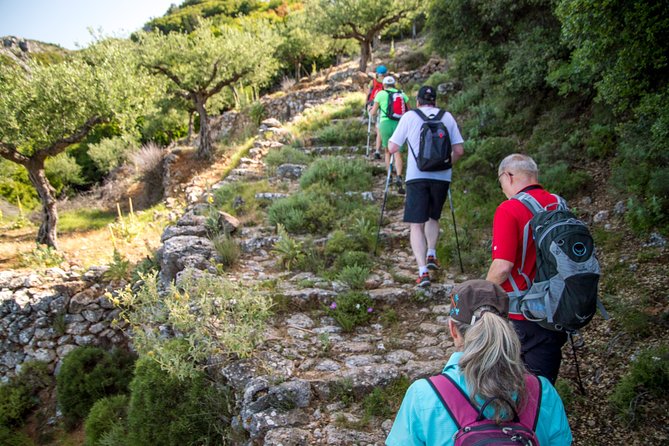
pixel 427 93
pixel 471 295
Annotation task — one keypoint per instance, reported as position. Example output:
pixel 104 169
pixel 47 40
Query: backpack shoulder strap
pixel 421 114
pixel 529 413
pixel 457 403
pixel 439 115
pixel 529 202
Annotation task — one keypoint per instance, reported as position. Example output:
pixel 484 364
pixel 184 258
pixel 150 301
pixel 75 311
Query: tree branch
pixel 387 21
pixel 77 136
pixel 167 73
pixel 219 86
pixel 9 152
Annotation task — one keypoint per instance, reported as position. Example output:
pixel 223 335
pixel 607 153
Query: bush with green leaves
pixel 287 155
pixel 211 315
pixel 289 250
pixel 313 211
pixel 351 309
pixel 166 410
pixel 227 250
pixel 354 276
pixel 42 256
pixel 342 133
pixel 350 258
pixel 105 414
pixel 89 374
pixel 238 198
pixel 110 153
pixel 19 396
pixel 647 378
pixel 119 268
pixel 339 174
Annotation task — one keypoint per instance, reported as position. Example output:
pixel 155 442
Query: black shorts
pixel 425 200
pixel 541 349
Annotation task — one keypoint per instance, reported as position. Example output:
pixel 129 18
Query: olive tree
pixel 47 108
pixel 361 20
pixel 204 62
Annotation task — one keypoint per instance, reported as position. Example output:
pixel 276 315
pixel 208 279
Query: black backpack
pixel 563 296
pixel 434 150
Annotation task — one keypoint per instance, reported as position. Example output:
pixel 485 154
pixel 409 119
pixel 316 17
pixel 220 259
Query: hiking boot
pixel 400 186
pixel 432 263
pixel 423 280
pixel 377 155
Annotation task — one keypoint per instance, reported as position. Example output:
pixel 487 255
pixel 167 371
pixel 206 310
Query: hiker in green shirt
pixel 391 103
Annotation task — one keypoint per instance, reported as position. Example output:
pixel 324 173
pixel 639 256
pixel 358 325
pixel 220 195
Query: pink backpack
pixel 474 429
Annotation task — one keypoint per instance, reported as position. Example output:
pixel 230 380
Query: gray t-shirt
pixel 408 130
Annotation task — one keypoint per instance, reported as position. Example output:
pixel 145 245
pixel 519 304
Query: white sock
pixel 432 252
pixel 422 270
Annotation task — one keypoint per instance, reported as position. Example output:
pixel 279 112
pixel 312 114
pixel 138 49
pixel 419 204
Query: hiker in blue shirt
pixel 487 366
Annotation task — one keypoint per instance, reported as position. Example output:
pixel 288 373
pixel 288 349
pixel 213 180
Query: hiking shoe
pixel 432 263
pixel 400 187
pixel 377 155
pixel 423 280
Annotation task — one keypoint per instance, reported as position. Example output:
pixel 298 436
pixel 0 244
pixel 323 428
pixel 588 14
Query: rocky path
pixel 307 382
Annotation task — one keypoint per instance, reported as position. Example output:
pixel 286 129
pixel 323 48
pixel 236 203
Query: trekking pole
pixel 578 372
pixel 369 130
pixel 385 197
pixel 455 228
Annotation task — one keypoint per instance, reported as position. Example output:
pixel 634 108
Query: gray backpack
pixel 563 296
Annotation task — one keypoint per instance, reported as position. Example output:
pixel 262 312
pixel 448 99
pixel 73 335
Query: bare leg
pixel 431 234
pixel 398 163
pixel 418 242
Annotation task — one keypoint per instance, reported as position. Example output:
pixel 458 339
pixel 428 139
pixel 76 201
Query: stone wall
pixel 45 316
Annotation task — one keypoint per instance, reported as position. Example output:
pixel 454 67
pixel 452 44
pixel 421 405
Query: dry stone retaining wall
pixel 45 316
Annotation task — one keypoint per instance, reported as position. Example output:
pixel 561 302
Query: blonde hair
pixel 491 362
pixel 516 163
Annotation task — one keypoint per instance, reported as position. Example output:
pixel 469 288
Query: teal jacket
pixel 423 420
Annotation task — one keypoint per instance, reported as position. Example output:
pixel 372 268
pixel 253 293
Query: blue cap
pixel 381 69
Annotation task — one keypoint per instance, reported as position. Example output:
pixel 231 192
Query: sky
pixel 66 22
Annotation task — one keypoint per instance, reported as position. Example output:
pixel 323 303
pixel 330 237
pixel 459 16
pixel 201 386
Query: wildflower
pixel 333 306
pixel 370 309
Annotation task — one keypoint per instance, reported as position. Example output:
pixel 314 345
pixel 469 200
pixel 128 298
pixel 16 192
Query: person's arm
pixel 499 271
pixel 392 147
pixel 457 150
pixel 374 110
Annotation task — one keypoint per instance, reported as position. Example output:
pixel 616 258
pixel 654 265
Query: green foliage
pixel 384 402
pixel 287 155
pixel 62 170
pixel 566 393
pixel 42 256
pixel 119 268
pixel 290 251
pixel 564 180
pixel 648 377
pixel 351 309
pixel 315 210
pixel 12 437
pixel 227 250
pixel 351 258
pixel 339 173
pixel 238 198
pixel 88 374
pixel 342 390
pixel 105 414
pixel 110 153
pixel 15 186
pixel 212 316
pixel 349 132
pixel 84 220
pixel 354 276
pixel 19 396
pixel 165 410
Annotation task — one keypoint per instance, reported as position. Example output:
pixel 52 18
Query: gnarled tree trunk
pixel 47 233
pixel 204 151
pixel 365 53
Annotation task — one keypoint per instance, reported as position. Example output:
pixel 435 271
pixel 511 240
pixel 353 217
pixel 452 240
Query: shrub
pixel 165 410
pixel 287 155
pixel 119 268
pixel 10 437
pixel 342 133
pixel 648 377
pixel 19 396
pixel 288 249
pixel 42 256
pixel 103 416
pixel 110 153
pixel 564 180
pixel 63 171
pixel 307 211
pixel 354 276
pixel 148 162
pixel 351 309
pixel 350 258
pixel 88 374
pixel 384 402
pixel 227 250
pixel 212 316
pixel 340 242
pixel 239 198
pixel 338 173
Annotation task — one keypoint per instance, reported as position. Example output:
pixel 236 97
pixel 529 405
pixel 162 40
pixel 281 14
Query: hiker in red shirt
pixel 541 347
pixel 375 86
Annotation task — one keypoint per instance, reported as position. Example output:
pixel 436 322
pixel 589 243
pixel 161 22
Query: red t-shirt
pixel 507 237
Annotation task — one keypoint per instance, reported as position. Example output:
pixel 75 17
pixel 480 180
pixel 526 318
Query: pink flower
pixel 333 306
pixel 370 309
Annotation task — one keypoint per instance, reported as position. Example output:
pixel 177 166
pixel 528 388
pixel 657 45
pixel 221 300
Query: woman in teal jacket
pixel 487 365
